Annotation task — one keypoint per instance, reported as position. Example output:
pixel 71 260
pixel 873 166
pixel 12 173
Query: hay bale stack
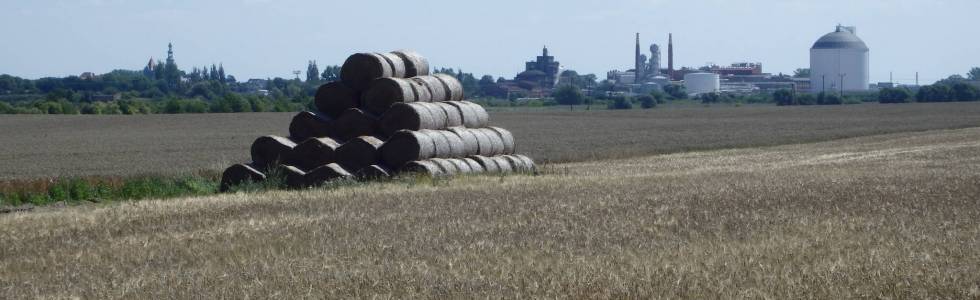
pixel 456 146
pixel 489 165
pixel 473 115
pixel 294 177
pixel 423 167
pixel 415 64
pixel 325 174
pixel 447 167
pixel 495 144
pixel 474 165
pixel 410 116
pixel 396 63
pixel 314 152
pixel 506 138
pixel 361 68
pixel 454 89
pixel 437 91
pixel 529 165
pixel 441 146
pixel 239 174
pixel 504 164
pixel 268 151
pixel 405 146
pixel 333 98
pixel 359 152
pixel 471 146
pixel 454 117
pixel 462 166
pixel 354 123
pixel 373 172
pixel 383 92
pixel 309 124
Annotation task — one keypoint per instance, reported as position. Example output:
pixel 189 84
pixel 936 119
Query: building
pixel 543 71
pixel 738 69
pixel 701 83
pixel 839 61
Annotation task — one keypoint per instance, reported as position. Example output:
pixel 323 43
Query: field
pixel 888 216
pixel 61 146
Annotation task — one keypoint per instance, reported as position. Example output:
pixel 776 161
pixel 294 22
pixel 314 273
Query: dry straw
pixel 238 174
pixel 423 167
pixel 437 91
pixel 359 152
pixel 471 146
pixel 506 138
pixel 267 151
pixel 326 173
pixel 373 172
pixel 333 98
pixel 415 64
pixel 354 123
pixel 361 68
pixel 314 152
pixel 383 92
pixel 453 87
pixel 309 124
pixel 405 146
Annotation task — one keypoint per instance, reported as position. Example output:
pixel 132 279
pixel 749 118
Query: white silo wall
pixel 700 83
pixel 829 64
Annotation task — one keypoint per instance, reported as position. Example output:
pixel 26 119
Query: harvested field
pixel 50 146
pixel 890 216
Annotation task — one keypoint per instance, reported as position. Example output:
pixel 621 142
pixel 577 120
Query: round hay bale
pixel 294 177
pixel 309 124
pixel 471 146
pixel 384 92
pixel 422 93
pixel 489 165
pixel 519 165
pixel 448 167
pixel 475 166
pixel 472 114
pixel 482 117
pixel 325 174
pixel 437 91
pixel 415 64
pixel 396 63
pixel 456 146
pixel 504 164
pixel 461 166
pixel 333 98
pixel 239 174
pixel 314 152
pixel 270 150
pixel 406 116
pixel 454 117
pixel 439 117
pixel 422 167
pixel 484 146
pixel 495 142
pixel 359 152
pixel 354 123
pixel 361 68
pixel 440 143
pixel 372 172
pixel 405 146
pixel 528 162
pixel 454 89
pixel 507 138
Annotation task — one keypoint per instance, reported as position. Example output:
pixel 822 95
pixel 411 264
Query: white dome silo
pixel 700 83
pixel 839 58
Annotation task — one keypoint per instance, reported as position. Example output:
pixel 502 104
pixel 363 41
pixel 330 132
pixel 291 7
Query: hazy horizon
pixel 267 38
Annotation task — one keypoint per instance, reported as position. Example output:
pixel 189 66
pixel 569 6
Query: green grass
pixel 78 190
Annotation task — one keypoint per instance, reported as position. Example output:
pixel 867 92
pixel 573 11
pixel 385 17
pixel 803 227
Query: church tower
pixel 170 53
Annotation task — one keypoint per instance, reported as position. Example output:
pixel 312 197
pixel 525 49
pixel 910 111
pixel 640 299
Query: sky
pixel 271 38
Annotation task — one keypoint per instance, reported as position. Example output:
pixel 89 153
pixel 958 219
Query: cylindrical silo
pixel 839 59
pixel 700 83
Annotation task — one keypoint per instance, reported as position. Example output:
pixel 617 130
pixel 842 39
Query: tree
pixel 676 91
pixel 620 103
pixel 965 92
pixel 569 95
pixel 894 95
pixel 784 97
pixel 330 73
pixel 974 74
pixel 221 74
pixel 312 72
pixel 802 73
pixel 647 101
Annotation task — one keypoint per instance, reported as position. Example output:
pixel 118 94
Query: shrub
pixel 647 101
pixel 894 95
pixel 785 97
pixel 620 103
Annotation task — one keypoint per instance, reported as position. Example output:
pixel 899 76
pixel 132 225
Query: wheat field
pixel 889 216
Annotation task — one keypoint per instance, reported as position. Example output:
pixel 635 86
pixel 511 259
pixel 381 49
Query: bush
pixel 647 101
pixel 785 97
pixel 620 103
pixel 676 91
pixel 569 95
pixel 894 95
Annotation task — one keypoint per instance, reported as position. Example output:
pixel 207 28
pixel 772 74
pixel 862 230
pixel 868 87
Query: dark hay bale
pixel 507 138
pixel 495 145
pixel 422 93
pixel 295 178
pixel 238 174
pixel 407 116
pixel 314 152
pixel 504 164
pixel 528 162
pixel 437 91
pixel 448 167
pixel 354 123
pixel 456 146
pixel 489 165
pixel 309 124
pixel 461 166
pixel 405 146
pixel 422 167
pixel 325 174
pixel 454 117
pixel 473 115
pixel 372 172
pixel 270 150
pixel 454 89
pixel 439 141
pixel 475 166
pixel 471 146
pixel 361 68
pixel 415 64
pixel 396 63
pixel 333 98
pixel 383 92
pixel 359 152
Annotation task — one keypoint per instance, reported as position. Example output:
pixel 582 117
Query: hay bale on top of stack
pixel 387 115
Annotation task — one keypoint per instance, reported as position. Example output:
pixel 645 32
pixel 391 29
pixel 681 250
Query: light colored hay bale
pixel 439 118
pixel 437 91
pixel 495 145
pixel 354 123
pixel 295 178
pixel 528 162
pixel 439 141
pixel 270 150
pixel 314 152
pixel 239 174
pixel 309 124
pixel 422 167
pixel 406 116
pixel 325 174
pixel 396 63
pixel 333 98
pixel 422 93
pixel 519 166
pixel 361 68
pixel 453 116
pixel 359 152
pixel 471 146
pixel 507 138
pixel 482 117
pixel 504 164
pixel 415 64
pixel 461 166
pixel 473 115
pixel 405 146
pixel 475 166
pixel 484 146
pixel 372 172
pixel 453 87
pixel 383 92
pixel 456 146
pixel 489 165
pixel 448 167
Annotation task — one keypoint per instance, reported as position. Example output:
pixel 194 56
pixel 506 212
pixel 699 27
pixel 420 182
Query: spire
pixel 170 53
pixel 670 55
pixel 544 52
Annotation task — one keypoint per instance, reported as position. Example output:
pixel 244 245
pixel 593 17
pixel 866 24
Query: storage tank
pixel 700 83
pixel 839 58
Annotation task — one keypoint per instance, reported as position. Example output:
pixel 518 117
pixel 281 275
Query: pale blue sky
pixel 267 38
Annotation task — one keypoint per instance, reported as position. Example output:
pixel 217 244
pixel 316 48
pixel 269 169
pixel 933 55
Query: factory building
pixel 839 61
pixel 701 83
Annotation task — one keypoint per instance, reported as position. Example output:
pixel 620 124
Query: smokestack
pixel 670 56
pixel 636 58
